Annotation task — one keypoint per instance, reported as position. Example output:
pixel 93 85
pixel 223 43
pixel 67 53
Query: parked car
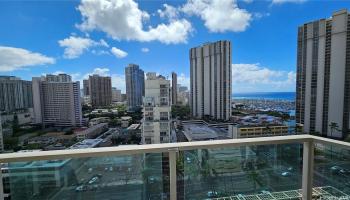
pixel 81 188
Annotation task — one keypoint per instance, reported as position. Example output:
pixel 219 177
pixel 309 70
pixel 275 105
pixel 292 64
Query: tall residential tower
pixel 56 100
pixel 135 86
pixel 100 89
pixel 15 94
pixel 174 88
pixel 323 75
pixel 211 69
pixel 157 110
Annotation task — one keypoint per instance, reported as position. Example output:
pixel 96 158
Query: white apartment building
pixel 211 90
pixel 157 110
pixel 56 101
pixel 323 75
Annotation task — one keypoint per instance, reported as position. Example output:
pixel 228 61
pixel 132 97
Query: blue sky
pixel 85 37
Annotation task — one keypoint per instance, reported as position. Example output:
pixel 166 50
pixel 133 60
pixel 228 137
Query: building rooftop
pixel 199 131
pixel 87 143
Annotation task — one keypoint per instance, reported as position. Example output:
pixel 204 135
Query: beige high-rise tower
pixel 211 69
pixel 56 100
pixel 323 75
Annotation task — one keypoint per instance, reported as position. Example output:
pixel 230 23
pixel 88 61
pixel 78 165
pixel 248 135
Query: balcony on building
pixel 279 167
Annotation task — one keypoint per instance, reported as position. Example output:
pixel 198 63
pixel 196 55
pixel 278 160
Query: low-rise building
pixel 125 121
pixel 98 120
pixel 239 131
pixel 199 130
pixel 134 128
pixel 91 132
pixel 87 143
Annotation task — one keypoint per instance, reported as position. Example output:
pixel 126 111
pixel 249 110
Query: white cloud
pixel 75 46
pixel 100 52
pixel 183 80
pixel 253 78
pixel 99 71
pixel 219 15
pixel 145 50
pixel 118 81
pixel 259 15
pixel 118 52
pixel 287 1
pixel 58 72
pixel 12 59
pixel 103 43
pixel 169 12
pixel 123 20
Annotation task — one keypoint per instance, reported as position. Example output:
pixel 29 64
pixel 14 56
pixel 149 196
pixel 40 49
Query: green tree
pixel 15 124
pixel 334 127
pixel 254 176
pixel 183 112
pixel 11 143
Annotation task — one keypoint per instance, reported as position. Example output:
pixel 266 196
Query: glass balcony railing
pixel 281 167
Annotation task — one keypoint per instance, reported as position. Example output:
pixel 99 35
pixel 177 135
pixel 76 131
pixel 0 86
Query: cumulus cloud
pixel 118 52
pixel 169 12
pixel 123 20
pixel 183 80
pixel 75 46
pixel 145 50
pixel 98 71
pixel 287 1
pixel 253 77
pixel 12 59
pixel 219 15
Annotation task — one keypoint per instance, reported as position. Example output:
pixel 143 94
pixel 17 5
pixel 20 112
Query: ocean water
pixel 290 96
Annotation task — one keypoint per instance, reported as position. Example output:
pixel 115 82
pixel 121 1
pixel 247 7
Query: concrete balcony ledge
pixel 166 147
pixel 308 142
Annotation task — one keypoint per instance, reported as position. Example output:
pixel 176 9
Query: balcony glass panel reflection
pixel 332 170
pixel 240 171
pixel 112 177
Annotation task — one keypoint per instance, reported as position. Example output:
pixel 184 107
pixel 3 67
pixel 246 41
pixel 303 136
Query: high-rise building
pixel 15 94
pixel 135 86
pixel 174 88
pixel 56 100
pixel 211 90
pixel 1 136
pixel 323 76
pixel 157 110
pixel 182 88
pixel 100 90
pixel 124 97
pixel 116 95
pixel 86 88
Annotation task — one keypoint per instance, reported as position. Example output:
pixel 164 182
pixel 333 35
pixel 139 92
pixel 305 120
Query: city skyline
pixel 80 46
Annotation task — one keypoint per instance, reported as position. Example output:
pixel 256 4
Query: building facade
pixel 135 86
pixel 15 94
pixel 100 90
pixel 157 110
pixel 116 95
pixel 174 88
pixel 323 76
pixel 86 88
pixel 56 101
pixel 211 69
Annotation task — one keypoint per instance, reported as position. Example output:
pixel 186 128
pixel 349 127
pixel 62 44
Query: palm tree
pixel 254 176
pixel 333 126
